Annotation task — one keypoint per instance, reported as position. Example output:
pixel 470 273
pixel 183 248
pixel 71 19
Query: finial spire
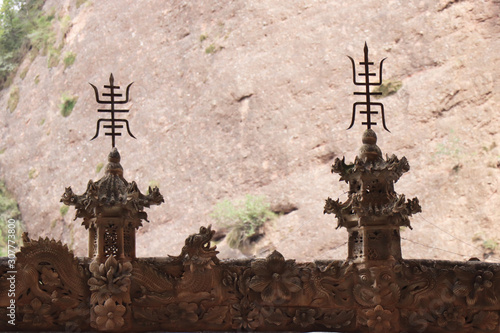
pixel 367 83
pixel 112 123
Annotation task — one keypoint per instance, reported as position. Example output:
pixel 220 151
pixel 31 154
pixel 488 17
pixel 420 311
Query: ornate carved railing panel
pixel 195 291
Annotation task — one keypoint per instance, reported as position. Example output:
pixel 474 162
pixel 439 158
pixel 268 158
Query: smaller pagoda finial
pixel 114 166
pixel 369 151
pixel 113 124
pixel 367 83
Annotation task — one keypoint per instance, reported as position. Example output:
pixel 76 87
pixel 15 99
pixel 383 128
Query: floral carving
pixel 264 294
pixel 337 318
pixel 109 315
pixel 472 284
pixel 275 316
pixel 49 277
pixel 37 313
pixel 378 319
pixel 245 316
pixel 485 320
pixel 110 286
pixel 275 279
pixel 451 318
pixel 111 279
pixel 304 317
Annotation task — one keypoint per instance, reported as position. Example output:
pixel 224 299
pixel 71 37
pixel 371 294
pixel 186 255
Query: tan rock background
pixel 253 97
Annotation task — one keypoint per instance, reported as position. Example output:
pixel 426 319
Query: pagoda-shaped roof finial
pixel 374 212
pixel 112 195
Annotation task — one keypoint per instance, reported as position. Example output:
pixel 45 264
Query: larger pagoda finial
pixel 112 123
pixel 366 83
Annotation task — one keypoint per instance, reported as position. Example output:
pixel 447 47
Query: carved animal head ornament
pixel 376 286
pixel 197 253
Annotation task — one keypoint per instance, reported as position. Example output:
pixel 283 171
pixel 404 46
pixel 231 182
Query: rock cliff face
pixel 253 97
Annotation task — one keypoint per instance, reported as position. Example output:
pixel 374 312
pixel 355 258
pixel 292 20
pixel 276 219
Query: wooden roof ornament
pixel 374 290
pixel 374 212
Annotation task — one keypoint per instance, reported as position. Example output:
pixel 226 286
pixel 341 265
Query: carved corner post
pixel 112 210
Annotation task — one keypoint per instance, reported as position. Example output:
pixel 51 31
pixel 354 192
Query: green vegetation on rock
pixel 24 72
pixel 99 167
pixel 26 28
pixel 490 244
pixel 13 99
pixel 451 146
pixel 242 219
pixel 153 183
pixel 41 34
pixel 68 102
pixel 69 59
pixel 211 49
pixel 80 2
pixel 53 57
pixel 64 210
pixel 388 87
pixel 9 210
pixel 65 23
pixel 32 174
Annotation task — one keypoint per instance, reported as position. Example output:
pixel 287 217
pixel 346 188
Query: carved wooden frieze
pixel 195 291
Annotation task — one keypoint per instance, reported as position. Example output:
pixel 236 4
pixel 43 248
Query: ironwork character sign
pixel 113 124
pixel 367 84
